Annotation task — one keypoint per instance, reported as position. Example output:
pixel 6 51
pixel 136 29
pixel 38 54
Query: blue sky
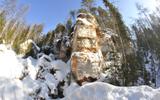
pixel 52 12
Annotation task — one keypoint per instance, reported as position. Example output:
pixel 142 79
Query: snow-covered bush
pixel 49 74
pixel 46 78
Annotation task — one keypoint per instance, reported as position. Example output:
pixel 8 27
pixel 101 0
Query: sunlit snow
pixel 10 67
pixel 31 86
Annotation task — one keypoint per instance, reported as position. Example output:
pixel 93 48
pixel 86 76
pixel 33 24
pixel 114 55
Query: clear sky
pixel 129 10
pixel 52 12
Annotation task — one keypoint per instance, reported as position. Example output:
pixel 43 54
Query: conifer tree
pixel 88 4
pixel 129 62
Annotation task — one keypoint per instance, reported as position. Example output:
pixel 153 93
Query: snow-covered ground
pixel 47 78
pixel 104 91
pixel 10 67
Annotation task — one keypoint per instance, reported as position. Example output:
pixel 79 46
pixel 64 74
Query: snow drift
pixel 10 67
pixel 46 78
pixel 104 91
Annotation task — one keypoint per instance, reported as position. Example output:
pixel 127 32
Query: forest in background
pixel 139 45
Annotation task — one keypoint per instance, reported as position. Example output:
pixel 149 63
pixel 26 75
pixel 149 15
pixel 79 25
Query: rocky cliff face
pixel 109 48
pixel 86 59
pixel 28 48
pixel 92 48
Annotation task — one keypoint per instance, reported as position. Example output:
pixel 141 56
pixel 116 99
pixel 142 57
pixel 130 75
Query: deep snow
pixel 104 91
pixel 10 67
pixel 28 79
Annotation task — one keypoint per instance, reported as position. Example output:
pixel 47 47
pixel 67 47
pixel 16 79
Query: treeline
pixel 14 31
pixel 13 28
pixel 137 47
pixel 127 71
pixel 146 30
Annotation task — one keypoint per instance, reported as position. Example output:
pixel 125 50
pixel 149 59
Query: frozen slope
pixel 10 67
pixel 13 89
pixel 42 78
pixel 104 91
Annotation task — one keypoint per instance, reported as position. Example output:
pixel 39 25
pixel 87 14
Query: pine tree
pixel 146 30
pixel 129 62
pixel 88 4
pixel 13 29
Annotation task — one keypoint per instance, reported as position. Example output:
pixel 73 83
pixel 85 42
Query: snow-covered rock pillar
pixel 86 58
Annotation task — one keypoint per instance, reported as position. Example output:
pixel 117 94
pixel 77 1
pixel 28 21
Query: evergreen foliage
pixel 13 29
pixel 146 31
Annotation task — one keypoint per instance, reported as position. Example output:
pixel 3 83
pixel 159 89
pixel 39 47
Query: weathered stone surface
pixel 87 43
pixel 28 47
pixel 25 47
pixel 93 50
pixel 86 59
pixel 109 44
pixel 106 43
pixel 86 64
pixel 86 32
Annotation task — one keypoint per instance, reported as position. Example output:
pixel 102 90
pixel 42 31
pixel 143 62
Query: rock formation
pixel 29 47
pixel 109 48
pixel 94 51
pixel 62 48
pixel 86 58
